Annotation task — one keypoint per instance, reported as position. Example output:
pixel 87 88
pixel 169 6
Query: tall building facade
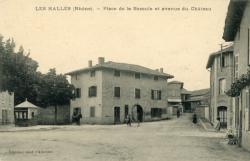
pixel 237 30
pixel 221 66
pixel 108 91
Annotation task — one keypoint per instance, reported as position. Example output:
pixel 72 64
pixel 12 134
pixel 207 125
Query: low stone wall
pixel 26 122
pixel 246 140
pixel 49 116
pixel 202 112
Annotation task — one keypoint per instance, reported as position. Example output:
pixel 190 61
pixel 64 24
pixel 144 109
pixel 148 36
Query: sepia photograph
pixel 124 80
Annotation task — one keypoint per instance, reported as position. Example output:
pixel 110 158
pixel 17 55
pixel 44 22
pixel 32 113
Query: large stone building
pixel 108 91
pixel 237 29
pixel 6 108
pixel 221 68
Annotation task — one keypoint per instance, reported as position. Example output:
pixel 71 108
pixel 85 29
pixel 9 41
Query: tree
pixel 18 74
pixel 54 90
pixel 17 70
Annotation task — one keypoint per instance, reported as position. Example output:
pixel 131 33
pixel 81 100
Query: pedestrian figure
pixel 218 125
pixel 138 120
pixel 74 117
pixel 178 113
pixel 79 116
pixel 128 120
pixel 194 118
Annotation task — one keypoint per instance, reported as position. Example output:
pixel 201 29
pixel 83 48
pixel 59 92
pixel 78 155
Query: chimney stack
pixel 90 63
pixel 161 70
pixel 101 60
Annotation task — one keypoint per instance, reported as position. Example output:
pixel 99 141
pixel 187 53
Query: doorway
pixel 137 113
pixel 117 115
pixel 222 115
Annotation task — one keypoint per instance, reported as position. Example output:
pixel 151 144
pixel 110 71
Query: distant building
pixel 6 108
pixel 198 101
pixel 108 91
pixel 237 29
pixel 221 65
pixel 177 96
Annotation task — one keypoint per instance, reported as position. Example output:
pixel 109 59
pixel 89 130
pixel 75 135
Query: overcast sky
pixel 178 41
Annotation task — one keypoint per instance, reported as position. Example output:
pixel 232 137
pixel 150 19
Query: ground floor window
pixel 92 111
pixel 156 112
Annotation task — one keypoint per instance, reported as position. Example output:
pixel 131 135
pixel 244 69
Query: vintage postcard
pixel 124 80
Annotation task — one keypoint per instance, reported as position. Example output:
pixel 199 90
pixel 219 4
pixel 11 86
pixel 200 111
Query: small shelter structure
pixel 26 114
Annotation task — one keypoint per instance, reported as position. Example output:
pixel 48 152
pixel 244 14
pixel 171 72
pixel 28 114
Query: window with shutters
pixel 78 93
pixel 156 94
pixel 92 111
pixel 137 93
pixel 92 73
pixel 236 66
pixel 92 91
pixel 222 86
pixel 117 73
pixel 117 92
pixel 248 45
pixel 137 75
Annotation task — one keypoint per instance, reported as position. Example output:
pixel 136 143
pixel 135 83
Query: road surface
pixel 169 140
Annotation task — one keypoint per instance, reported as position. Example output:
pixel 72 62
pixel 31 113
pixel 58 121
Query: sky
pixel 178 41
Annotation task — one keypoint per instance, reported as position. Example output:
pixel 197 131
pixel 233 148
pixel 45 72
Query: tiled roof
pixel 123 67
pixel 200 92
pixel 234 15
pixel 26 104
pixel 212 56
pixel 175 82
pixel 184 91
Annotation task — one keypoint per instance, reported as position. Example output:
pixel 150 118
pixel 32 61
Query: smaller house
pixel 26 114
pixel 199 102
pixel 177 96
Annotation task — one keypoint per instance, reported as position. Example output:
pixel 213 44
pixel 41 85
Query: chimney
pixel 101 60
pixel 90 63
pixel 161 70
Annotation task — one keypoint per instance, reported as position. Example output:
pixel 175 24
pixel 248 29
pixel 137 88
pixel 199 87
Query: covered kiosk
pixel 26 114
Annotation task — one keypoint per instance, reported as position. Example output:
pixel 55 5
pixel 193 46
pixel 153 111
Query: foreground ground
pixel 170 140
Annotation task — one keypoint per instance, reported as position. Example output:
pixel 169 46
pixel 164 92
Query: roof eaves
pixel 212 56
pixel 234 15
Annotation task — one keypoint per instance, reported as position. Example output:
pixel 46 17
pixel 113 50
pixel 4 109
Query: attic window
pixel 92 73
pixel 137 75
pixel 117 73
pixel 156 77
pixel 223 60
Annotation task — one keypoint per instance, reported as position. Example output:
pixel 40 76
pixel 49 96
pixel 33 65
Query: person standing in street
pixel 178 113
pixel 218 125
pixel 79 116
pixel 194 118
